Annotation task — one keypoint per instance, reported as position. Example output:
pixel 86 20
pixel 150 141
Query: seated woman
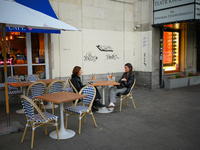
pixel 126 82
pixel 76 81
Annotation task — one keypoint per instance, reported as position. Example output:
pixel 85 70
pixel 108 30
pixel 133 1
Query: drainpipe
pixel 161 58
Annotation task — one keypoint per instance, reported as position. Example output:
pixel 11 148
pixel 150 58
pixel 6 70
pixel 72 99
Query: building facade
pixel 158 37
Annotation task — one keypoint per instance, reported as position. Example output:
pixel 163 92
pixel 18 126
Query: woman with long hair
pixel 76 81
pixel 126 81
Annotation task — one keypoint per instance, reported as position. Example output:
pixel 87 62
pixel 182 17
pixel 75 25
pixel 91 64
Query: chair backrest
pixel 72 86
pixel 131 90
pixel 29 106
pixel 32 77
pixel 11 79
pixel 90 91
pixel 67 81
pixel 36 89
pixel 55 86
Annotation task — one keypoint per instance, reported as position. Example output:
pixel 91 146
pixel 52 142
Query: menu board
pixel 167 48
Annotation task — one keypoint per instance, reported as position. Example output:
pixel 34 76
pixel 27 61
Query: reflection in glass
pixel 37 43
pixel 15 49
pixel 20 72
pixel 40 71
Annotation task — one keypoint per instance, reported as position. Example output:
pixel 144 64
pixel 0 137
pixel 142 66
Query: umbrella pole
pixel 3 41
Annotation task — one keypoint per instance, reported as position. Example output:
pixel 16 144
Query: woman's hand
pixel 124 79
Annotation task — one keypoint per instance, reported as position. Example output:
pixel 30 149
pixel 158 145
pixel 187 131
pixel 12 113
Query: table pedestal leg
pixel 104 109
pixel 63 133
pixel 49 106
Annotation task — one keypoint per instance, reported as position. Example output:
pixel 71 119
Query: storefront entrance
pixel 171 51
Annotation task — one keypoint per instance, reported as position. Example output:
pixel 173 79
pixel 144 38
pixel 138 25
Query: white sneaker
pixel 111 108
pixel 111 105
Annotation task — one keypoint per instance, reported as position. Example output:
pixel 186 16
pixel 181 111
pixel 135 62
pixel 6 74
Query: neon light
pixel 9 61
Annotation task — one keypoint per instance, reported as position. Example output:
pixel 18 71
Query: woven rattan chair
pixel 37 89
pixel 32 77
pixel 81 111
pixel 14 91
pixel 37 120
pixel 55 86
pixel 67 86
pixel 127 96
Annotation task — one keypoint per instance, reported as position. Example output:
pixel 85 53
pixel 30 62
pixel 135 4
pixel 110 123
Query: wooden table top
pixel 27 83
pixel 61 97
pixel 104 83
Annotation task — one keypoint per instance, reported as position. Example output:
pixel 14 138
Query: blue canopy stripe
pixel 41 6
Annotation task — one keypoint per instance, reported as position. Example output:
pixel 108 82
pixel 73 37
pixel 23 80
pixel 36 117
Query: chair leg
pixel 79 124
pixel 32 140
pixel 53 106
pixel 18 98
pixel 126 101
pixel 120 104
pixel 24 133
pixel 94 120
pixel 84 119
pixel 57 130
pixel 66 121
pixel 133 102
pixel 45 127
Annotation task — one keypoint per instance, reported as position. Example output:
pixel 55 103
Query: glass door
pixel 171 52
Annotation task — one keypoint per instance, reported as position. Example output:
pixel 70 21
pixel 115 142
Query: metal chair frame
pixel 87 111
pixel 37 120
pixel 128 96
pixel 37 101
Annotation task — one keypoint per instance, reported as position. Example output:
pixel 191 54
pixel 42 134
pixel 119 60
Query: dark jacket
pixel 128 84
pixel 76 81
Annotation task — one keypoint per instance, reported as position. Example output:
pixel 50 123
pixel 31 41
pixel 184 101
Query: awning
pixel 41 6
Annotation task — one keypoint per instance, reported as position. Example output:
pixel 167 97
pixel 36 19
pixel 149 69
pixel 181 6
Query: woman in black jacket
pixel 126 82
pixel 76 81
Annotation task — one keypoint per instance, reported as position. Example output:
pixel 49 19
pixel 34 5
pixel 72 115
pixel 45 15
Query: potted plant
pixel 175 81
pixel 194 78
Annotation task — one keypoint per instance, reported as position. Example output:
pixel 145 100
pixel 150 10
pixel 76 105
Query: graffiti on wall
pixel 145 59
pixel 90 57
pixel 104 48
pixel 112 57
pixel 145 42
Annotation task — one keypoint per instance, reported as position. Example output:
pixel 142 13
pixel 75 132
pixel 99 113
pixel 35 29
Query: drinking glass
pixel 111 77
pixel 95 78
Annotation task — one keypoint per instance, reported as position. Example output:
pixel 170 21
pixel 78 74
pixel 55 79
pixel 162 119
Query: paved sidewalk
pixel 163 120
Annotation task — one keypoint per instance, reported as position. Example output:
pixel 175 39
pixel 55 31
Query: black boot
pixel 94 109
pixel 97 103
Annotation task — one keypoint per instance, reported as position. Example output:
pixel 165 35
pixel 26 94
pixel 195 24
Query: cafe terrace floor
pixel 163 120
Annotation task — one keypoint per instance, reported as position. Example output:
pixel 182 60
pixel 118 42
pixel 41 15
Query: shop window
pixel 171 52
pixel 18 62
pixel 16 55
pixel 37 45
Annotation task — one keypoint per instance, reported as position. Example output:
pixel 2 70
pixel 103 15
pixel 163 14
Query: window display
pixel 171 51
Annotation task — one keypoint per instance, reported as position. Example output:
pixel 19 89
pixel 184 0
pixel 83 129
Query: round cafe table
pixel 103 84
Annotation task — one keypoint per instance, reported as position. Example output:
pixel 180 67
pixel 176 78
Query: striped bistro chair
pixel 127 96
pixel 67 86
pixel 14 91
pixel 32 77
pixel 36 89
pixel 71 88
pixel 37 120
pixel 81 111
pixel 55 86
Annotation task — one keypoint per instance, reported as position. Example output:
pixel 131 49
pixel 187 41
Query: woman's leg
pixel 113 92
